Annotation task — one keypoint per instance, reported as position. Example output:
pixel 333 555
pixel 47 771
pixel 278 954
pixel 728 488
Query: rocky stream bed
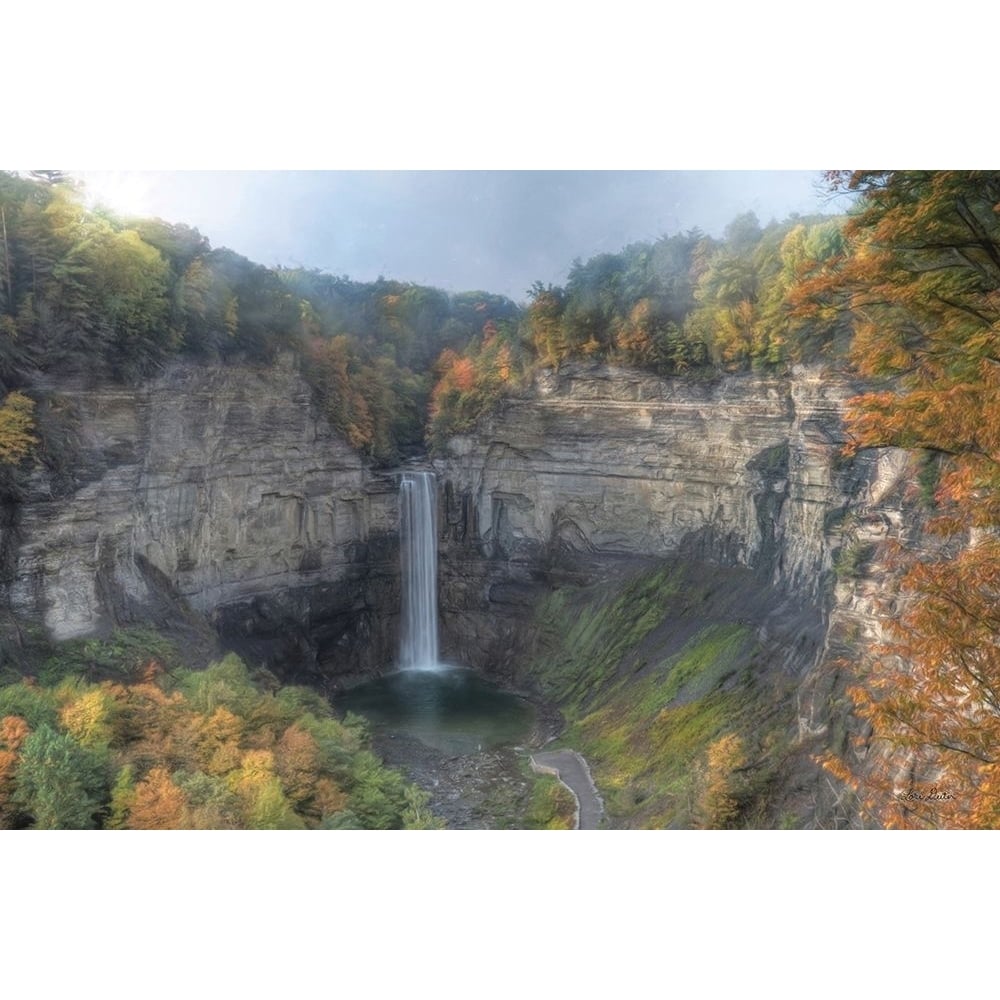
pixel 486 790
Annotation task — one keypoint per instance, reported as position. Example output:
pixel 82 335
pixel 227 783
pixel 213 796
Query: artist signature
pixel 933 794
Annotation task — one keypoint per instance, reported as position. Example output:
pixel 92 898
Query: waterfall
pixel 418 553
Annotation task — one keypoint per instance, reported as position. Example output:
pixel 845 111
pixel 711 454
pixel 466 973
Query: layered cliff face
pixel 220 490
pixel 596 462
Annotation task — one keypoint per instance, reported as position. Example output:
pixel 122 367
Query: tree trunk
pixel 6 262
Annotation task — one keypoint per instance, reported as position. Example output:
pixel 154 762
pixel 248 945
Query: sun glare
pixel 124 192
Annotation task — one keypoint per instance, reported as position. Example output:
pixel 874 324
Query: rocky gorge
pixel 216 501
pixel 738 471
pixel 740 479
pixel 212 493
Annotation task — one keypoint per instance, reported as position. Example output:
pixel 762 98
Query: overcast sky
pixel 498 231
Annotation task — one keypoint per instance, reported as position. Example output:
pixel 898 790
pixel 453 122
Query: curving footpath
pixel 571 769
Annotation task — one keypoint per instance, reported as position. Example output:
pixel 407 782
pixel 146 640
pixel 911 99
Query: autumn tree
pixel 218 741
pixel 296 758
pixel 157 804
pixel 181 748
pixel 921 280
pixel 212 805
pixel 16 424
pixel 647 339
pixel 455 403
pixel 746 313
pixel 328 798
pixel 148 719
pixel 264 803
pixel 31 702
pixel 718 782
pixel 346 408
pixel 13 732
pixel 788 333
pixel 543 323
pixel 89 718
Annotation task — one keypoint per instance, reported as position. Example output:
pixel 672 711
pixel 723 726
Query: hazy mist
pixel 458 230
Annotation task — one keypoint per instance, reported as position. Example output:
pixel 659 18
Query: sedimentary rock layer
pixel 742 470
pixel 218 487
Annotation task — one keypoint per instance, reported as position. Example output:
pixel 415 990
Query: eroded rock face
pixel 743 470
pixel 222 489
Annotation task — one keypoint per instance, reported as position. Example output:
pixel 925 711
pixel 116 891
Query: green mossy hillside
pixel 552 807
pixel 665 690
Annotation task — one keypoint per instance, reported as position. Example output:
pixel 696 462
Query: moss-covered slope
pixel 670 684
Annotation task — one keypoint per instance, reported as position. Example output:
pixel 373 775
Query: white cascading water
pixel 418 552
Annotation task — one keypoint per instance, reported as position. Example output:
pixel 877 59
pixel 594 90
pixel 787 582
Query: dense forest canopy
pixel 87 293
pixel 116 734
pixel 686 304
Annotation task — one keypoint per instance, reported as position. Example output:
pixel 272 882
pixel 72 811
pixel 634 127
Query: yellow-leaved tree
pixel 16 425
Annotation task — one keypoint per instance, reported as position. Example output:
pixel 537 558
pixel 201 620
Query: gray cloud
pixel 492 230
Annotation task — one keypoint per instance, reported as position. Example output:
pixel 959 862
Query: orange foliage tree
pixel 13 732
pixel 151 722
pixel 218 741
pixel 158 804
pixel 16 423
pixel 469 384
pixel 346 408
pixel 718 803
pixel 921 280
pixel 297 763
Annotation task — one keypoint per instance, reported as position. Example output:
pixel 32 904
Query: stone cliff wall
pixel 887 512
pixel 218 488
pixel 743 470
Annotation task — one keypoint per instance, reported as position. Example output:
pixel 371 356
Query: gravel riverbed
pixel 487 790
